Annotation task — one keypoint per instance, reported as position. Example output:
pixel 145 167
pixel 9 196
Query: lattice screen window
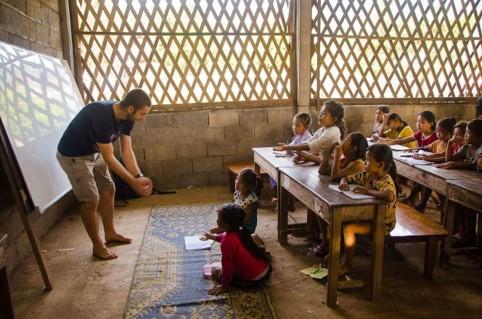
pixel 396 49
pixel 185 52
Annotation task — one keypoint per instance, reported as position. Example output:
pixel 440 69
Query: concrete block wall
pixel 193 148
pixel 33 25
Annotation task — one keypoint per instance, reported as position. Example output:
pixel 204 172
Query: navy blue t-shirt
pixel 95 123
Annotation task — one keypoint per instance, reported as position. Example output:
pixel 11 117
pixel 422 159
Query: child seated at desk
pixel 301 130
pixel 425 134
pixel 397 129
pixel 379 181
pixel 380 125
pixel 445 128
pixel 467 156
pixel 348 159
pixel 331 131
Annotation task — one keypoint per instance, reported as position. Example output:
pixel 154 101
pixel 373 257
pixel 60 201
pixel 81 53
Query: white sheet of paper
pixel 413 161
pixel 194 243
pixel 398 148
pixel 350 192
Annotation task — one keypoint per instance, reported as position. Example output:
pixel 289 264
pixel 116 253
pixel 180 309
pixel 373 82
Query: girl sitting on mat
pixel 244 263
pixel 379 181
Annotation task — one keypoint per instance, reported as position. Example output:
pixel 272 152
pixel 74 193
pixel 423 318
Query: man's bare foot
pixel 103 253
pixel 116 238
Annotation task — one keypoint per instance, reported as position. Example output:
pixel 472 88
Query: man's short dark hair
pixel 136 98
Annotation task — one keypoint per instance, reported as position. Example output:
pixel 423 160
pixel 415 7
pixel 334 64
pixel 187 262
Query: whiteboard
pixel 38 99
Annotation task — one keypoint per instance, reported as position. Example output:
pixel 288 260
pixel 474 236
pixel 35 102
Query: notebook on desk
pixel 350 192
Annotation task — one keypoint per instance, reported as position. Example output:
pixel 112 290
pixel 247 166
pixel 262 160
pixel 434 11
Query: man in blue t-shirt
pixel 86 154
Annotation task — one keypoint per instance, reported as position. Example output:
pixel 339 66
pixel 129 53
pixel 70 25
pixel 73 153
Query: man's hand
pixel 143 186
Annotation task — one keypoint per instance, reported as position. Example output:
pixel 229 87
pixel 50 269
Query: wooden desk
pixel 439 180
pixel 266 159
pixel 335 208
pixel 6 307
pixel 466 192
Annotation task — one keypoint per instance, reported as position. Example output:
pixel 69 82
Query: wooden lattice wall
pixel 186 53
pixel 400 49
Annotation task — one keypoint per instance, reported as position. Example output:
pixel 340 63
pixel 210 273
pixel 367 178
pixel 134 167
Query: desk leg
pixel 334 257
pixel 379 245
pixel 449 225
pixel 6 306
pixel 282 215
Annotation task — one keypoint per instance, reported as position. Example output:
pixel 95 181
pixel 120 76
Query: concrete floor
pixel 87 288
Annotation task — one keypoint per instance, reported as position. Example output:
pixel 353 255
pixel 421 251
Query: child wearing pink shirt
pixel 244 263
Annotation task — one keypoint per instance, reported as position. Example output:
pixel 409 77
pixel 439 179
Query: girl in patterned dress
pixel 379 181
pixel 247 190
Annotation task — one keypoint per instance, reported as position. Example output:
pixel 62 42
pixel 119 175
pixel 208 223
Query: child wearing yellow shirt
pixel 397 129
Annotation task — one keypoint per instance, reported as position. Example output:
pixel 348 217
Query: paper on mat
pixel 350 192
pixel 194 243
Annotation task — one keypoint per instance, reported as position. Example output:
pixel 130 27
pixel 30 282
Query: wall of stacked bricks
pixel 193 148
pixel 33 25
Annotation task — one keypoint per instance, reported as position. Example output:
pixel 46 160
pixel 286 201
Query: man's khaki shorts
pixel 88 175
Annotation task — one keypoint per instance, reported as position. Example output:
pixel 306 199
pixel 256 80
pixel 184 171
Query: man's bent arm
pixel 128 155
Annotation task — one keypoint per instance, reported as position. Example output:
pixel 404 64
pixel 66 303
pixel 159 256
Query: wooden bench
pixel 235 168
pixel 413 226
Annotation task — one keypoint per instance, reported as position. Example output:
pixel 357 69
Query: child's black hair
pixel 447 124
pixel 360 145
pixel 383 153
pixel 429 117
pixel 305 118
pixel 395 116
pixel 461 125
pixel 384 108
pixel 475 127
pixel 252 180
pixel 478 107
pixel 336 110
pixel 233 217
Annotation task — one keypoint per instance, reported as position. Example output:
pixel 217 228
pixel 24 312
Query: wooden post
pixel 66 32
pixel 303 55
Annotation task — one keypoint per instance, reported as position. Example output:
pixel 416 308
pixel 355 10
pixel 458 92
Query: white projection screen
pixel 38 99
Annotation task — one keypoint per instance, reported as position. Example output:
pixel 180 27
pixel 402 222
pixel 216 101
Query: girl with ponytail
pixel 379 180
pixel 244 263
